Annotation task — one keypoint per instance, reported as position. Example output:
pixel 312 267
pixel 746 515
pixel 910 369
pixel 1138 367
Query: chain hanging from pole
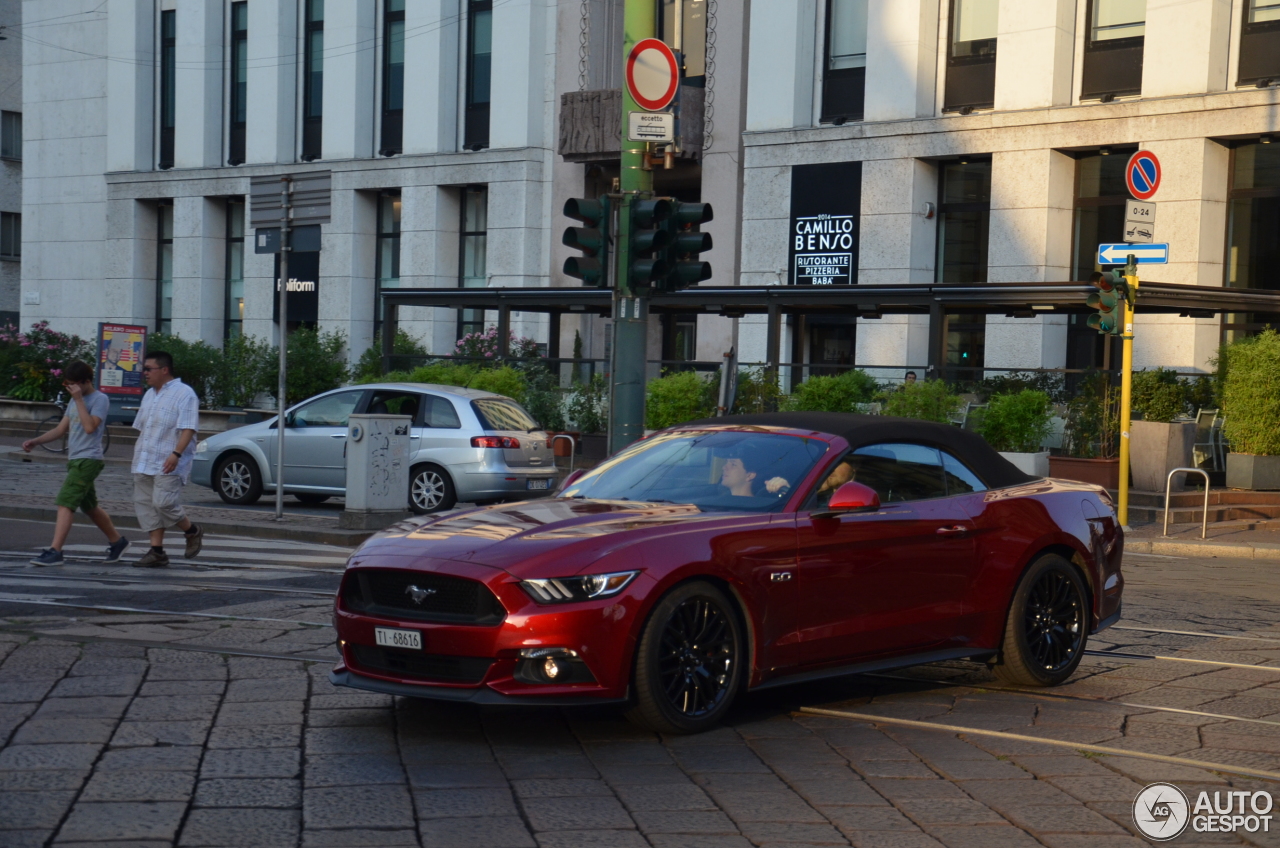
pixel 709 101
pixel 584 44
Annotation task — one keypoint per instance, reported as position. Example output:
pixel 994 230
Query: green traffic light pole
pixel 630 311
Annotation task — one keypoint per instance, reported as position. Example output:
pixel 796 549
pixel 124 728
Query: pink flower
pixel 26 344
pixel 57 372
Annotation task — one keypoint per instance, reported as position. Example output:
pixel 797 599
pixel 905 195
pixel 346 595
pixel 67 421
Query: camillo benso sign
pixel 824 249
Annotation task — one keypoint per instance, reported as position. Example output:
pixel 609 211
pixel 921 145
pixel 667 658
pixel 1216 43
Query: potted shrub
pixel 588 411
pixel 1251 404
pixel 677 398
pixel 1092 435
pixel 1017 425
pixel 927 400
pixel 842 393
pixel 1157 443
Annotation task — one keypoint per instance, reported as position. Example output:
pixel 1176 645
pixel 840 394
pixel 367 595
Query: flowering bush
pixel 485 346
pixel 31 362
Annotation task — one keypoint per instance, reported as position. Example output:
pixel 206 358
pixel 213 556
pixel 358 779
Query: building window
pixel 964 217
pixel 1253 226
pixel 682 24
pixel 475 135
pixel 1099 212
pixel 1113 49
pixel 473 254
pixel 679 340
pixel 388 276
pixel 844 68
pixel 11 135
pixel 239 80
pixel 313 82
pixel 168 97
pixel 1260 43
pixel 971 56
pixel 10 235
pixel 164 270
pixel 235 269
pixel 393 78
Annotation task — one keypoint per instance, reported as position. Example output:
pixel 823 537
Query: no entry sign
pixel 1142 175
pixel 653 75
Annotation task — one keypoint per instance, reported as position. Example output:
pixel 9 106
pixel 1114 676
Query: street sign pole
pixel 286 184
pixel 1127 306
pixel 630 312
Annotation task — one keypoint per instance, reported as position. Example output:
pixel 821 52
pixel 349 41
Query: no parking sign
pixel 1142 175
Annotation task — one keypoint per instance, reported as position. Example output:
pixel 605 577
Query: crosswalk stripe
pixel 206 553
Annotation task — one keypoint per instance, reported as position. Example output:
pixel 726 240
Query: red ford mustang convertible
pixel 736 554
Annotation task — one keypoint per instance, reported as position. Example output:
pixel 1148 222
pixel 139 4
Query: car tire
pixel 237 480
pixel 1044 636
pixel 430 490
pixel 682 687
pixel 311 498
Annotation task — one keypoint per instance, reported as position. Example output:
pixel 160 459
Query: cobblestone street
pixel 176 729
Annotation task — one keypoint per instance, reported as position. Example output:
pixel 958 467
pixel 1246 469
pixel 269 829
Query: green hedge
pixel 1251 394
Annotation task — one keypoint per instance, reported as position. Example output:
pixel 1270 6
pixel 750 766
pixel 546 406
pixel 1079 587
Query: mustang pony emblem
pixel 418 595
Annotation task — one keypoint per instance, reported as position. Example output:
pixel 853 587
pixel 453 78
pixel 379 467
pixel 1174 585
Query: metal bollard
pixel 1168 488
pixel 573 449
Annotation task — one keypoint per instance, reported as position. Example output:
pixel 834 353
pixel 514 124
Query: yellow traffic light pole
pixel 1127 305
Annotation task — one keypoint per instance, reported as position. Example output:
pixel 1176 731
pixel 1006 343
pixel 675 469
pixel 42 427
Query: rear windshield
pixel 502 414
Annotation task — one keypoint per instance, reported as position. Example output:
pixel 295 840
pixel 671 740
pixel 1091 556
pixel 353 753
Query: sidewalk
pixel 1230 539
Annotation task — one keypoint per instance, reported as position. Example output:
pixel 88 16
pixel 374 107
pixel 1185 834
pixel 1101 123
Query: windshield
pixel 502 414
pixel 714 471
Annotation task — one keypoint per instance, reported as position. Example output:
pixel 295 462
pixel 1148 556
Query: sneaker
pixel 195 541
pixel 154 558
pixel 49 556
pixel 116 549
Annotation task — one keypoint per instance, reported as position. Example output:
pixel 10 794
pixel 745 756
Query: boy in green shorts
pixel 85 418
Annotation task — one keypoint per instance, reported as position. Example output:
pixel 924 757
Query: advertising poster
pixel 121 351
pixel 825 204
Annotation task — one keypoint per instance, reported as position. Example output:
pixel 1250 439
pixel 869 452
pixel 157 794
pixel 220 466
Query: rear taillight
pixel 494 442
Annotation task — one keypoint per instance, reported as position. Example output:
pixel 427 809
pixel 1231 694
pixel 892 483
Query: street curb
pixel 317 535
pixel 1201 549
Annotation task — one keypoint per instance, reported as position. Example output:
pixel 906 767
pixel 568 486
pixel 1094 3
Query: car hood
pixel 542 538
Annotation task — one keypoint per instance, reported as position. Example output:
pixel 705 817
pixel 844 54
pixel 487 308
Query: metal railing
pixel 1168 489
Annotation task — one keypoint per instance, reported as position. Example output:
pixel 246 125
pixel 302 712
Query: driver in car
pixel 744 466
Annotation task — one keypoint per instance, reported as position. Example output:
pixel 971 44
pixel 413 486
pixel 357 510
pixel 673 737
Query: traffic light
pixel 648 243
pixel 593 240
pixel 1107 300
pixel 684 243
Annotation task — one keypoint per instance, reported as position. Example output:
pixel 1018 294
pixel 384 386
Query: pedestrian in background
pixel 166 446
pixel 83 425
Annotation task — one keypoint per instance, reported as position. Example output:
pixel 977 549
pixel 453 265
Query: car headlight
pixel 589 587
pixel 201 447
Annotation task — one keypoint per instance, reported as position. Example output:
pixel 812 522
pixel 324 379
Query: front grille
pixel 427 666
pixel 441 597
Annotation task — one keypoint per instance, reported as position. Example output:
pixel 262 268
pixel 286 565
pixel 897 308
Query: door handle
pixel 337 435
pixel 957 530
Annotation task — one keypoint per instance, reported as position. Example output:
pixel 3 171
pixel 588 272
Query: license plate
pixel 539 484
pixel 398 638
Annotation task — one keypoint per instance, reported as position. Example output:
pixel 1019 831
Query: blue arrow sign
pixel 1147 254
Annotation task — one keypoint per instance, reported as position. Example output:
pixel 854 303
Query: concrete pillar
pixel 273 83
pixel 517 234
pixel 350 96
pixel 518 100
pixel 783 38
pixel 1186 47
pixel 766 226
pixel 432 59
pixel 347 265
pixel 131 31
pixel 429 220
pixel 1036 49
pixel 129 272
pixel 201 66
pixel 199 268
pixel 902 59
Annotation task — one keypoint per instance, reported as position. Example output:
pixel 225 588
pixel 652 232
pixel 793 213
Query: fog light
pixel 551 668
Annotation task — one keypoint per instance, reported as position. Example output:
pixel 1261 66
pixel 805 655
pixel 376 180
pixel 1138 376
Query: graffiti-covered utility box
pixel 377 471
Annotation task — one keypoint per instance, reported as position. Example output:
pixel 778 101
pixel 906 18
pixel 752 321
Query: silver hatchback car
pixel 465 445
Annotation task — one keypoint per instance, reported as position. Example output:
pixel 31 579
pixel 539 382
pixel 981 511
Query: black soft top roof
pixel 860 430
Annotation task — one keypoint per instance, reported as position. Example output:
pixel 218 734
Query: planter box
pixel 1155 449
pixel 216 420
pixel 1252 471
pixel 27 410
pixel 561 447
pixel 1100 472
pixel 1035 464
pixel 593 449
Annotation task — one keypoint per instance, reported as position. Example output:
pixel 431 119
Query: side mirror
pixel 851 497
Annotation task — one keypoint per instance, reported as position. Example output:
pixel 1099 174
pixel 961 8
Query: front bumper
pixel 202 471
pixel 343 676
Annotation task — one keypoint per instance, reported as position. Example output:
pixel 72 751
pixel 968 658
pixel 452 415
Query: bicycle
pixel 60 445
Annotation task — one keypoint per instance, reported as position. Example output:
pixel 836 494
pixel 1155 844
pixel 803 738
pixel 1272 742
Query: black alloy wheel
pixel 689 662
pixel 238 480
pixel 1048 624
pixel 430 490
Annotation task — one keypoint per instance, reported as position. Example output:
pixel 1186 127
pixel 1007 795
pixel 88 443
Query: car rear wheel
pixel 430 490
pixel 238 480
pixel 689 661
pixel 1047 627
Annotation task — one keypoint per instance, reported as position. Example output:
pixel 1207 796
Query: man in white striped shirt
pixel 162 457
